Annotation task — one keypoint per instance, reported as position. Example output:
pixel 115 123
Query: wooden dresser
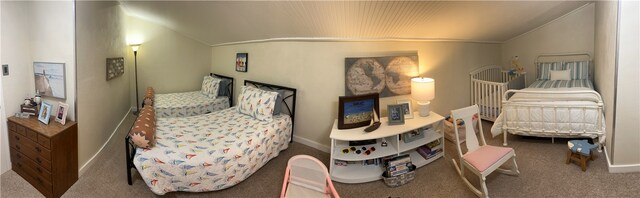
pixel 44 155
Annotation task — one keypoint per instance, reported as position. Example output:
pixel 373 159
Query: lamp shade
pixel 135 47
pixel 423 89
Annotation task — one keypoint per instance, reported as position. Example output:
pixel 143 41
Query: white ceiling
pixel 220 22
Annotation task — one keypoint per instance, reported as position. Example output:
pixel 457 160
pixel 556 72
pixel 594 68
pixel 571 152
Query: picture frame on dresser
pixel 406 105
pixel 61 115
pixel 357 111
pixel 45 113
pixel 396 114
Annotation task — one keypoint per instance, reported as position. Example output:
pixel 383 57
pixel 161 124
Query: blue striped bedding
pixel 548 84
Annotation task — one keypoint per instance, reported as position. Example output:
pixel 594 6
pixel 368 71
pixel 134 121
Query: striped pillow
pixel 579 69
pixel 545 68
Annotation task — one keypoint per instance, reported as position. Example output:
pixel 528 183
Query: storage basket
pixel 400 180
pixel 449 131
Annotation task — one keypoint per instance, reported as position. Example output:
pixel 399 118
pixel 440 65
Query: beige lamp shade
pixel 135 47
pixel 423 89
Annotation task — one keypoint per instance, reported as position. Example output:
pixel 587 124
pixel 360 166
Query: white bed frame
pixel 598 105
pixel 488 84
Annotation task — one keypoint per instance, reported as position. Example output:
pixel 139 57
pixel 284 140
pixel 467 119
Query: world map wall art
pixel 388 76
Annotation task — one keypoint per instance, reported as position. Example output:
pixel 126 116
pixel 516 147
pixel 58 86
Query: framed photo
pixel 406 106
pixel 115 67
pixel 61 116
pixel 242 62
pixel 50 80
pixel 396 114
pixel 45 113
pixel 357 111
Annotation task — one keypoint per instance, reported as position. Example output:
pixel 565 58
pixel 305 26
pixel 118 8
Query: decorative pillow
pixel 224 84
pixel 278 107
pixel 144 129
pixel 257 103
pixel 579 69
pixel 560 74
pixel 545 69
pixel 210 86
pixel 148 97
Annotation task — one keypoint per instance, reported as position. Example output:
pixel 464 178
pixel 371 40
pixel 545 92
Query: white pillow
pixel 257 103
pixel 560 74
pixel 210 86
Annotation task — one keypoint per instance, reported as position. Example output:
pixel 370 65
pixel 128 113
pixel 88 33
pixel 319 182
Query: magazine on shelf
pixel 427 152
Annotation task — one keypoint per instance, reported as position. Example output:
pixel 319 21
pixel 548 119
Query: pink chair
pixel 483 159
pixel 306 177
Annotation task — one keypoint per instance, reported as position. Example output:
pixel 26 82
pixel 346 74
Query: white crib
pixel 488 84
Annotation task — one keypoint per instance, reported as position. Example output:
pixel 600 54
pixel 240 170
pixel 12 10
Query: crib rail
pixel 488 83
pixel 523 125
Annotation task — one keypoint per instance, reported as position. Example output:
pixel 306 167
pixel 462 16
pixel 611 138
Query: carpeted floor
pixel 541 163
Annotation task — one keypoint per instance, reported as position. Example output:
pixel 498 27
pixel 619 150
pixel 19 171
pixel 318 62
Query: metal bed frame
pixel 598 106
pixel 289 101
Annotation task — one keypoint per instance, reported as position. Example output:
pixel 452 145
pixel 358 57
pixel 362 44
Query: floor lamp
pixel 135 48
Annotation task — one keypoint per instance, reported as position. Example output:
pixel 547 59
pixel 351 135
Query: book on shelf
pixel 427 152
pixel 434 143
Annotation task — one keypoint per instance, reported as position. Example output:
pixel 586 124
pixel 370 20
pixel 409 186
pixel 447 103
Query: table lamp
pixel 423 91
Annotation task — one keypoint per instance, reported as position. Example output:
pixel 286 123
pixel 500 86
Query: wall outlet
pixel 5 70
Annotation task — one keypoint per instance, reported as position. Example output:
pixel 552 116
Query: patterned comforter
pixel 187 104
pixel 210 152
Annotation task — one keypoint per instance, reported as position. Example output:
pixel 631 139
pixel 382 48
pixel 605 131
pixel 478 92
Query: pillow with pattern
pixel 144 129
pixel 210 86
pixel 257 103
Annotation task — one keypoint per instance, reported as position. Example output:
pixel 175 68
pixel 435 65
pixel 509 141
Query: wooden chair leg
pixel 591 155
pixel 583 163
pixel 568 157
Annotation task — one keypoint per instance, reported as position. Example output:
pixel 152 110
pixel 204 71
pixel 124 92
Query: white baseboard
pixel 627 168
pixel 91 162
pixel 312 144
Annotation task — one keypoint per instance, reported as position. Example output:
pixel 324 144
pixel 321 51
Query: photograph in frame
pixel 50 79
pixel 406 106
pixel 45 113
pixel 396 114
pixel 61 115
pixel 357 111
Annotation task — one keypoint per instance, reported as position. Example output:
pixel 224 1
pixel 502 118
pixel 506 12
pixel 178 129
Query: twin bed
pixel 560 103
pixel 212 151
pixel 194 103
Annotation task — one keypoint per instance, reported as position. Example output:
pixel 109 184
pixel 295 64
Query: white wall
pixel 167 60
pixel 606 13
pixel 36 31
pixel 17 54
pixel 627 127
pixel 316 70
pixel 102 104
pixel 573 32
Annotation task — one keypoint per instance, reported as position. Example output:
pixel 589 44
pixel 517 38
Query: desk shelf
pixel 356 172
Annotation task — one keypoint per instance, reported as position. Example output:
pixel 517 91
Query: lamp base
pixel 424 108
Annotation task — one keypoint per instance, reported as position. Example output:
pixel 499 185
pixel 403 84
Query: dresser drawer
pixel 39 183
pixel 31 155
pixel 21 144
pixel 44 141
pixel 12 126
pixel 32 135
pixel 21 130
pixel 22 161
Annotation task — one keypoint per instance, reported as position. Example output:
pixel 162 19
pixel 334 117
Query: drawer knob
pixel 18 156
pixel 39 160
pixel 39 170
pixel 17 138
pixel 17 147
pixel 19 165
pixel 38 149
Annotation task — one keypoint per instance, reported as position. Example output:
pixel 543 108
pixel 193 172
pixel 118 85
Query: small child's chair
pixel 306 176
pixel 483 159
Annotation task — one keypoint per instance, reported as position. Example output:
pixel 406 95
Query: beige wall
pixel 627 127
pixel 571 33
pixel 101 104
pixel 36 31
pixel 316 70
pixel 605 60
pixel 167 61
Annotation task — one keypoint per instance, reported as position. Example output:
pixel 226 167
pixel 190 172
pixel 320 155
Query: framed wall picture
pixel 242 62
pixel 45 113
pixel 388 75
pixel 61 116
pixel 406 106
pixel 50 79
pixel 396 114
pixel 115 67
pixel 357 111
